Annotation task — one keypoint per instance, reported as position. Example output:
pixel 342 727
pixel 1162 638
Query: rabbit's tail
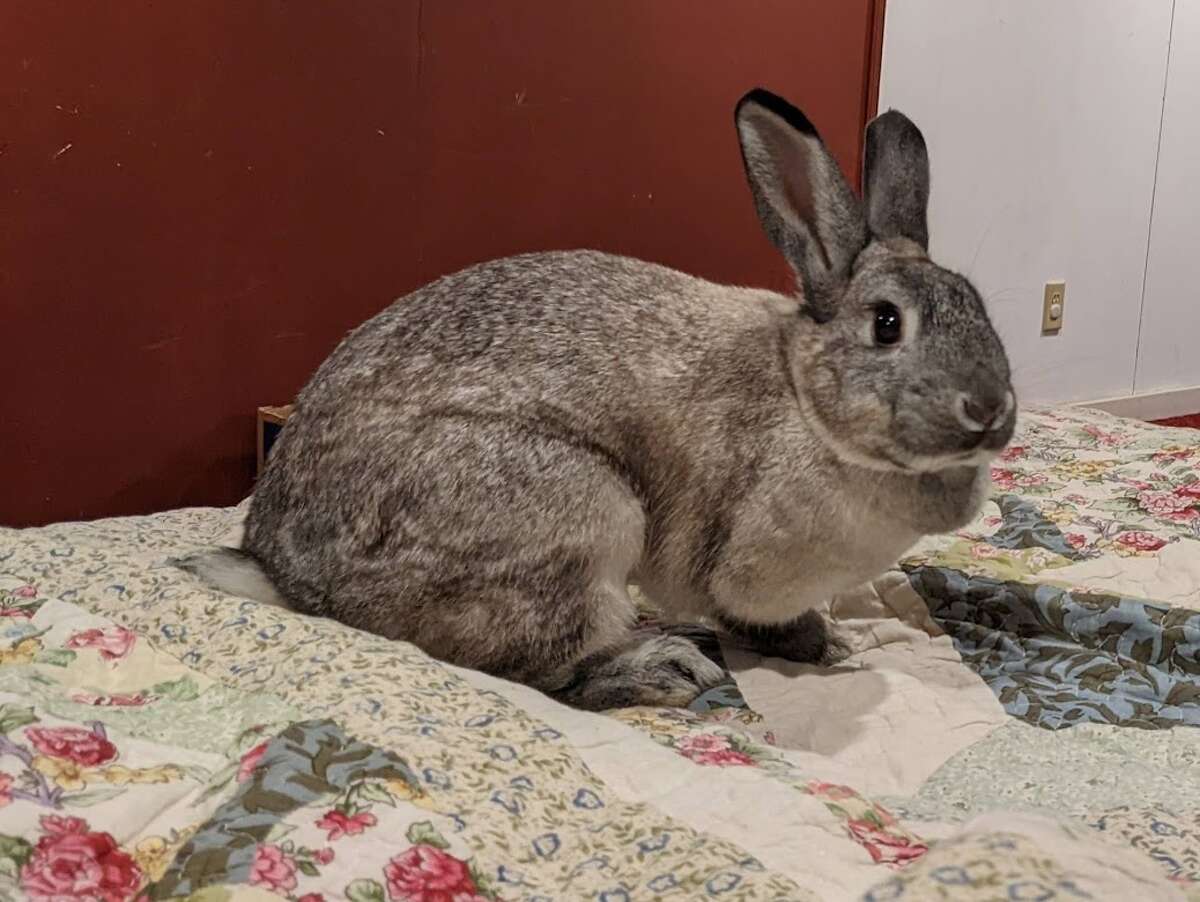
pixel 234 571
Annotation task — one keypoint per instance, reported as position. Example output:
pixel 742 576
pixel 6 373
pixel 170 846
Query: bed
pixel 1016 721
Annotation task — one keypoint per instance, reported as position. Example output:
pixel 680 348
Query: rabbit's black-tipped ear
pixel 896 179
pixel 803 201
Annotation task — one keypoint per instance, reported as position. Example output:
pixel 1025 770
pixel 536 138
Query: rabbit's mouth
pixel 930 463
pixel 971 449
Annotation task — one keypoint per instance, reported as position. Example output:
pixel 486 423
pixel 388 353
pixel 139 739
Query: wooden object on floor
pixel 270 423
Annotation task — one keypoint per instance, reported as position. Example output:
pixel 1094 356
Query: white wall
pixel 1170 333
pixel 1042 119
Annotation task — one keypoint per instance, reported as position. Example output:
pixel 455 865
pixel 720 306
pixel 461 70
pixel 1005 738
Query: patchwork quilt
pixel 1016 721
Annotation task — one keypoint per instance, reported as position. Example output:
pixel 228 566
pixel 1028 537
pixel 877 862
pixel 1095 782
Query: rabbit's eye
pixel 887 324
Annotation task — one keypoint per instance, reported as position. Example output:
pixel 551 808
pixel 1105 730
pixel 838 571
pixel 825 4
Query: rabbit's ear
pixel 803 201
pixel 896 179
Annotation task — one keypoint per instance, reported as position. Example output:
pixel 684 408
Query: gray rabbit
pixel 484 468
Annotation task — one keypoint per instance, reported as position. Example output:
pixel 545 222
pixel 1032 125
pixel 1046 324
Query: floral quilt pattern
pixel 161 741
pixel 1033 592
pixel 1068 490
pixel 1056 657
pixel 397 781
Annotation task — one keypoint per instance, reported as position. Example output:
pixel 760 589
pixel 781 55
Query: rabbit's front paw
pixel 807 640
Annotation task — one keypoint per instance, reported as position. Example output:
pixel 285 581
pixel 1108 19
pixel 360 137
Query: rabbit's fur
pixel 483 468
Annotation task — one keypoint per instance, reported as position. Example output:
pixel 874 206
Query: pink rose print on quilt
pixel 870 825
pixel 339 824
pixel 1139 540
pixel 85 747
pixel 72 862
pixel 1164 503
pixel 273 869
pixel 250 761
pixel 712 750
pixel 116 700
pixel 425 873
pixel 884 846
pixel 113 642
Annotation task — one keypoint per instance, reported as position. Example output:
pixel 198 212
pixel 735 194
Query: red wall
pixel 198 199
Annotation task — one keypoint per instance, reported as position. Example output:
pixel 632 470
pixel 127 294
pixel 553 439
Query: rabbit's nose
pixel 983 412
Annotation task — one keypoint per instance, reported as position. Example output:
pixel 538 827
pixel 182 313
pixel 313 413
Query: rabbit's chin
pixel 893 458
pixel 929 463
pixel 896 459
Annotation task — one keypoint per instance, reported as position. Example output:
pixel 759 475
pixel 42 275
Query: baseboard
pixel 1176 402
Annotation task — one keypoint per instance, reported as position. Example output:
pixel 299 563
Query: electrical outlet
pixel 1053 307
